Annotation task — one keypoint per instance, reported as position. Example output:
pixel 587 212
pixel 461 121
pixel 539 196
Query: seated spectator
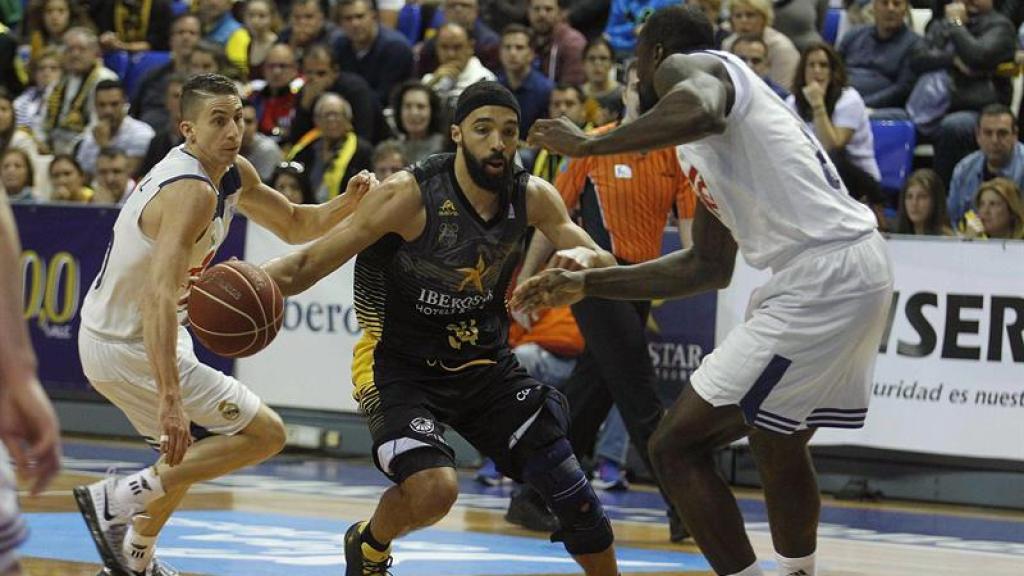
pixel 275 101
pixel 485 41
pixel 49 20
pixel 999 213
pixel 800 20
pixel 151 90
pixel 13 137
pixel 30 105
pixel 922 206
pixel 1000 154
pixel 16 175
pixel 598 59
pixel 258 148
pixel 754 52
pixel 221 28
pixel 559 46
pixel 207 58
pixel 262 23
pixel 131 25
pixel 70 108
pixel 68 181
pixel 290 179
pixel 624 21
pixel 113 127
pixel 380 55
pixel 419 120
pixel 878 57
pixel 531 88
pixel 713 10
pixel 322 74
pixel 308 25
pixel 754 18
pixel 331 152
pixel 112 181
pixel 566 100
pixel 835 113
pixel 388 158
pixel 169 135
pixel 458 67
pixel 969 44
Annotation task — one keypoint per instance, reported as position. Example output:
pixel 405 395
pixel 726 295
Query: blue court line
pixel 345 478
pixel 231 543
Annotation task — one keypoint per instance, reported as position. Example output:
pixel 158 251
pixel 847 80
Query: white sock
pixel 752 570
pixel 140 488
pixel 795 566
pixel 138 550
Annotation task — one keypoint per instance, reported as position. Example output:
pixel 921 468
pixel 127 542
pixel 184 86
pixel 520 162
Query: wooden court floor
pixel 888 554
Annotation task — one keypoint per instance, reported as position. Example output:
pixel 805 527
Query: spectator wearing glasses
pixel 331 151
pixel 598 58
pixel 754 52
pixel 275 102
pixel 754 18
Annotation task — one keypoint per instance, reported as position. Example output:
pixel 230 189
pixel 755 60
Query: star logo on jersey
pixel 447 209
pixel 474 276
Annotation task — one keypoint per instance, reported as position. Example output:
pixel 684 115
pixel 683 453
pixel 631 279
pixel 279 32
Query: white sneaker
pixel 102 513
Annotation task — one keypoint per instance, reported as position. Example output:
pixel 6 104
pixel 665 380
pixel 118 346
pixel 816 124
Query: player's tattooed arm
pixel 297 223
pixel 392 207
pixel 694 94
pixel 708 265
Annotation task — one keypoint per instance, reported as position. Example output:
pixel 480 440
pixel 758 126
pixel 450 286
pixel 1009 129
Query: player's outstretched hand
pixel 359 185
pixel 549 289
pixel 174 426
pixel 559 135
pixel 28 427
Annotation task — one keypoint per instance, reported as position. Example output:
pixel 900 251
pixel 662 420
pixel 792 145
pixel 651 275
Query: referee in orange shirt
pixel 623 202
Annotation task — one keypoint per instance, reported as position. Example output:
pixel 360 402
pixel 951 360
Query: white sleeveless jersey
pixel 112 306
pixel 769 180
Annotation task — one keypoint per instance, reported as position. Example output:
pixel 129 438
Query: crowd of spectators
pixel 335 86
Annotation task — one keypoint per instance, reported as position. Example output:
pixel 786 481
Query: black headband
pixel 484 93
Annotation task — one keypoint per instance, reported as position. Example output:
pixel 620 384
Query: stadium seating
pixel 894 151
pixel 141 63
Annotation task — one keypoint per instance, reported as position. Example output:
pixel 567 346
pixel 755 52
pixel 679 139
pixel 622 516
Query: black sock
pixel 367 537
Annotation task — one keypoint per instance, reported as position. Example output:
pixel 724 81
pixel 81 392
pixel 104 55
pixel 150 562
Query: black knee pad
pixel 554 472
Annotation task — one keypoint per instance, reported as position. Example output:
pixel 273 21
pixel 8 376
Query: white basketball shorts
pixel 805 357
pixel 120 371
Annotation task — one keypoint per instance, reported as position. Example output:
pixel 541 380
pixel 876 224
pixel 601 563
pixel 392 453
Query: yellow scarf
pixel 132 23
pixel 77 115
pixel 335 172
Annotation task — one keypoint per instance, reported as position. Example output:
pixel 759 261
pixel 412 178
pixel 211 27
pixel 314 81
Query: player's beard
pixel 495 184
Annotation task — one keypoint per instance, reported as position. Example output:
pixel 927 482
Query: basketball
pixel 235 309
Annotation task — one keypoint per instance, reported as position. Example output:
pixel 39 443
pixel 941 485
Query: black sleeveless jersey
pixel 441 297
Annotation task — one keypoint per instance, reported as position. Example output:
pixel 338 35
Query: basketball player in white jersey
pixel 135 350
pixel 804 358
pixel 28 426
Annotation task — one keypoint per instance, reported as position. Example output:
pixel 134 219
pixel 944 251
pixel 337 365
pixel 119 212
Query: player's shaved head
pixel 201 88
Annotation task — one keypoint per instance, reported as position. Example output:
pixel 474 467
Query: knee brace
pixel 554 472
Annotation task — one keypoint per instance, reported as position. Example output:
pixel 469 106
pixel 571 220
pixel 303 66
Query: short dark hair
pixel 997 110
pixel 111 152
pixel 200 88
pixel 322 5
pixel 749 39
pixel 517 28
pixel 678 29
pixel 371 4
pixel 70 159
pixel 109 84
pixel 565 86
pixel 322 51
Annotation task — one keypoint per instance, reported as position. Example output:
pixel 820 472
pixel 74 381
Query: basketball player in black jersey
pixel 437 246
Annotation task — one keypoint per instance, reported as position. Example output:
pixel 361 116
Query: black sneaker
pixel 355 564
pixel 677 531
pixel 526 509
